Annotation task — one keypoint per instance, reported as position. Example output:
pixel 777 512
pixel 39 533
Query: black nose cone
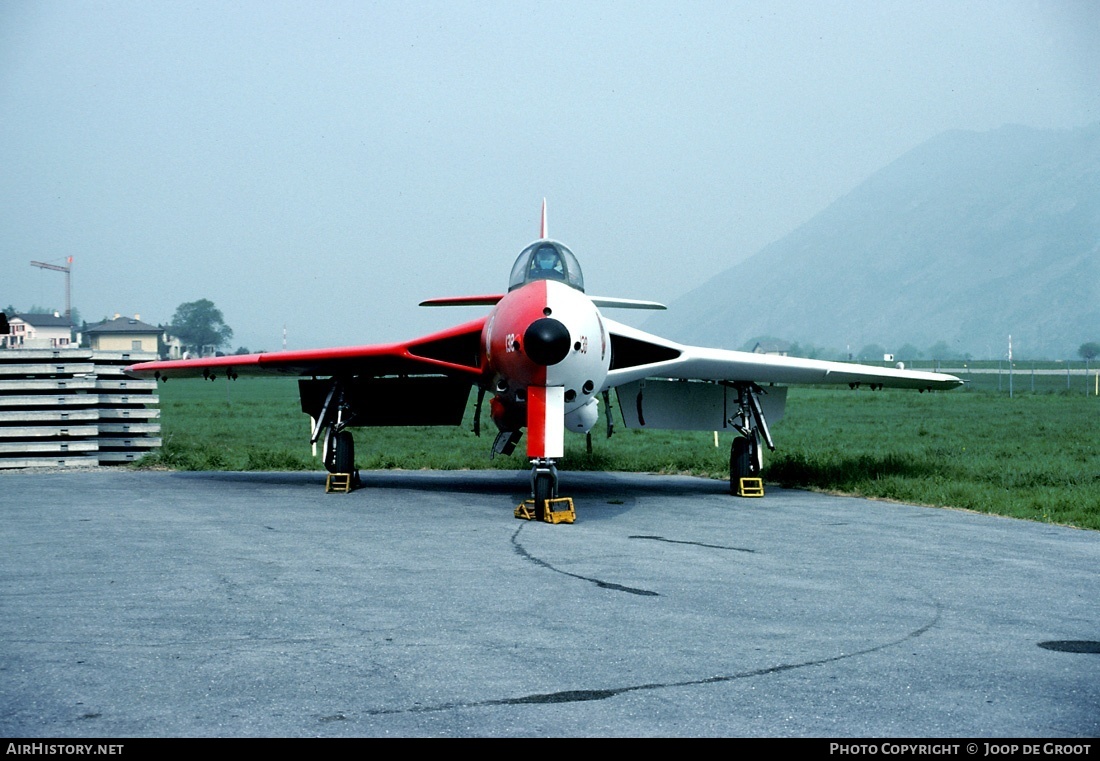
pixel 546 341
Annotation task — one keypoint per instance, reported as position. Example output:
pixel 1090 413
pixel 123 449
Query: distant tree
pixel 943 350
pixel 199 324
pixel 872 352
pixel 1088 352
pixel 242 350
pixel 909 352
pixel 807 350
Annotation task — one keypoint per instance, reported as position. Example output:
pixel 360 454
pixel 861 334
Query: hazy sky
pixel 327 165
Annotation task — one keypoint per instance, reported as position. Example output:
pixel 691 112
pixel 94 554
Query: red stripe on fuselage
pixel 536 421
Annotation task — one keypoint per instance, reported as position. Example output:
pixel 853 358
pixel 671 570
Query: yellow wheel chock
pixel 338 482
pixel 750 487
pixel 558 510
pixel 526 510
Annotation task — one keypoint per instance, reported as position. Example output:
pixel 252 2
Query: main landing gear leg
pixel 338 452
pixel 746 456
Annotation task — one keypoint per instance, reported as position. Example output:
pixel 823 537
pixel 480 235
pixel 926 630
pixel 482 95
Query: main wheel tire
pixel 744 462
pixel 544 490
pixel 344 453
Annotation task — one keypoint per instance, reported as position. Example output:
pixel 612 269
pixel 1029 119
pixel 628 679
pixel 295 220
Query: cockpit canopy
pixel 546 260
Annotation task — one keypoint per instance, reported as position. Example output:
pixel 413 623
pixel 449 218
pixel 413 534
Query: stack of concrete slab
pixel 129 421
pixel 74 407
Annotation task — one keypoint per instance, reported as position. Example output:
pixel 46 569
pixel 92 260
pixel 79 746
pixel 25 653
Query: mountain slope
pixel 966 239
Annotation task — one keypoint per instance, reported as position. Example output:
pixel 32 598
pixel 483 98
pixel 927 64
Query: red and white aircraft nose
pixel 546 344
pixel 548 334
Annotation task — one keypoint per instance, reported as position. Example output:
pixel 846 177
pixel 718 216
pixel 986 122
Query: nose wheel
pixel 544 485
pixel 545 505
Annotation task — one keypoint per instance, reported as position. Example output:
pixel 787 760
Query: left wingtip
pixel 543 234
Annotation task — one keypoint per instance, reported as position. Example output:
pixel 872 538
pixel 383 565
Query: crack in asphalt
pixel 522 552
pixel 577 696
pixel 1072 646
pixel 684 541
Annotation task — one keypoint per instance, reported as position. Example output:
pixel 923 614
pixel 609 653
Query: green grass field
pixel 1034 455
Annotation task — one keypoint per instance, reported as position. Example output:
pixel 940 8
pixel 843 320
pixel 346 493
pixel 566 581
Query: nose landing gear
pixel 544 484
pixel 545 504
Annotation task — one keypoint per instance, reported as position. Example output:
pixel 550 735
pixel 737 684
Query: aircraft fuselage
pixel 546 334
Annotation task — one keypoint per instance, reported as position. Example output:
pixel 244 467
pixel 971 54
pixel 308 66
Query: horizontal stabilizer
pixel 463 301
pixel 488 300
pixel 608 302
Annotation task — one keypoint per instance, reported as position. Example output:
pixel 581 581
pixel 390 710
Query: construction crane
pixel 68 270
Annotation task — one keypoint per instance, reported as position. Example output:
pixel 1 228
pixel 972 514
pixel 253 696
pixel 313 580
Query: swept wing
pixel 637 355
pixel 452 352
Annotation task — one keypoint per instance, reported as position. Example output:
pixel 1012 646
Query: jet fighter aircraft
pixel 547 354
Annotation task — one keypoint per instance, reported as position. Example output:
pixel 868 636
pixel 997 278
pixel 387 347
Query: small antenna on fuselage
pixel 542 228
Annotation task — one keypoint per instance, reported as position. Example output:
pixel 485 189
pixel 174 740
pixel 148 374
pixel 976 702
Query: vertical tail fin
pixel 542 228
